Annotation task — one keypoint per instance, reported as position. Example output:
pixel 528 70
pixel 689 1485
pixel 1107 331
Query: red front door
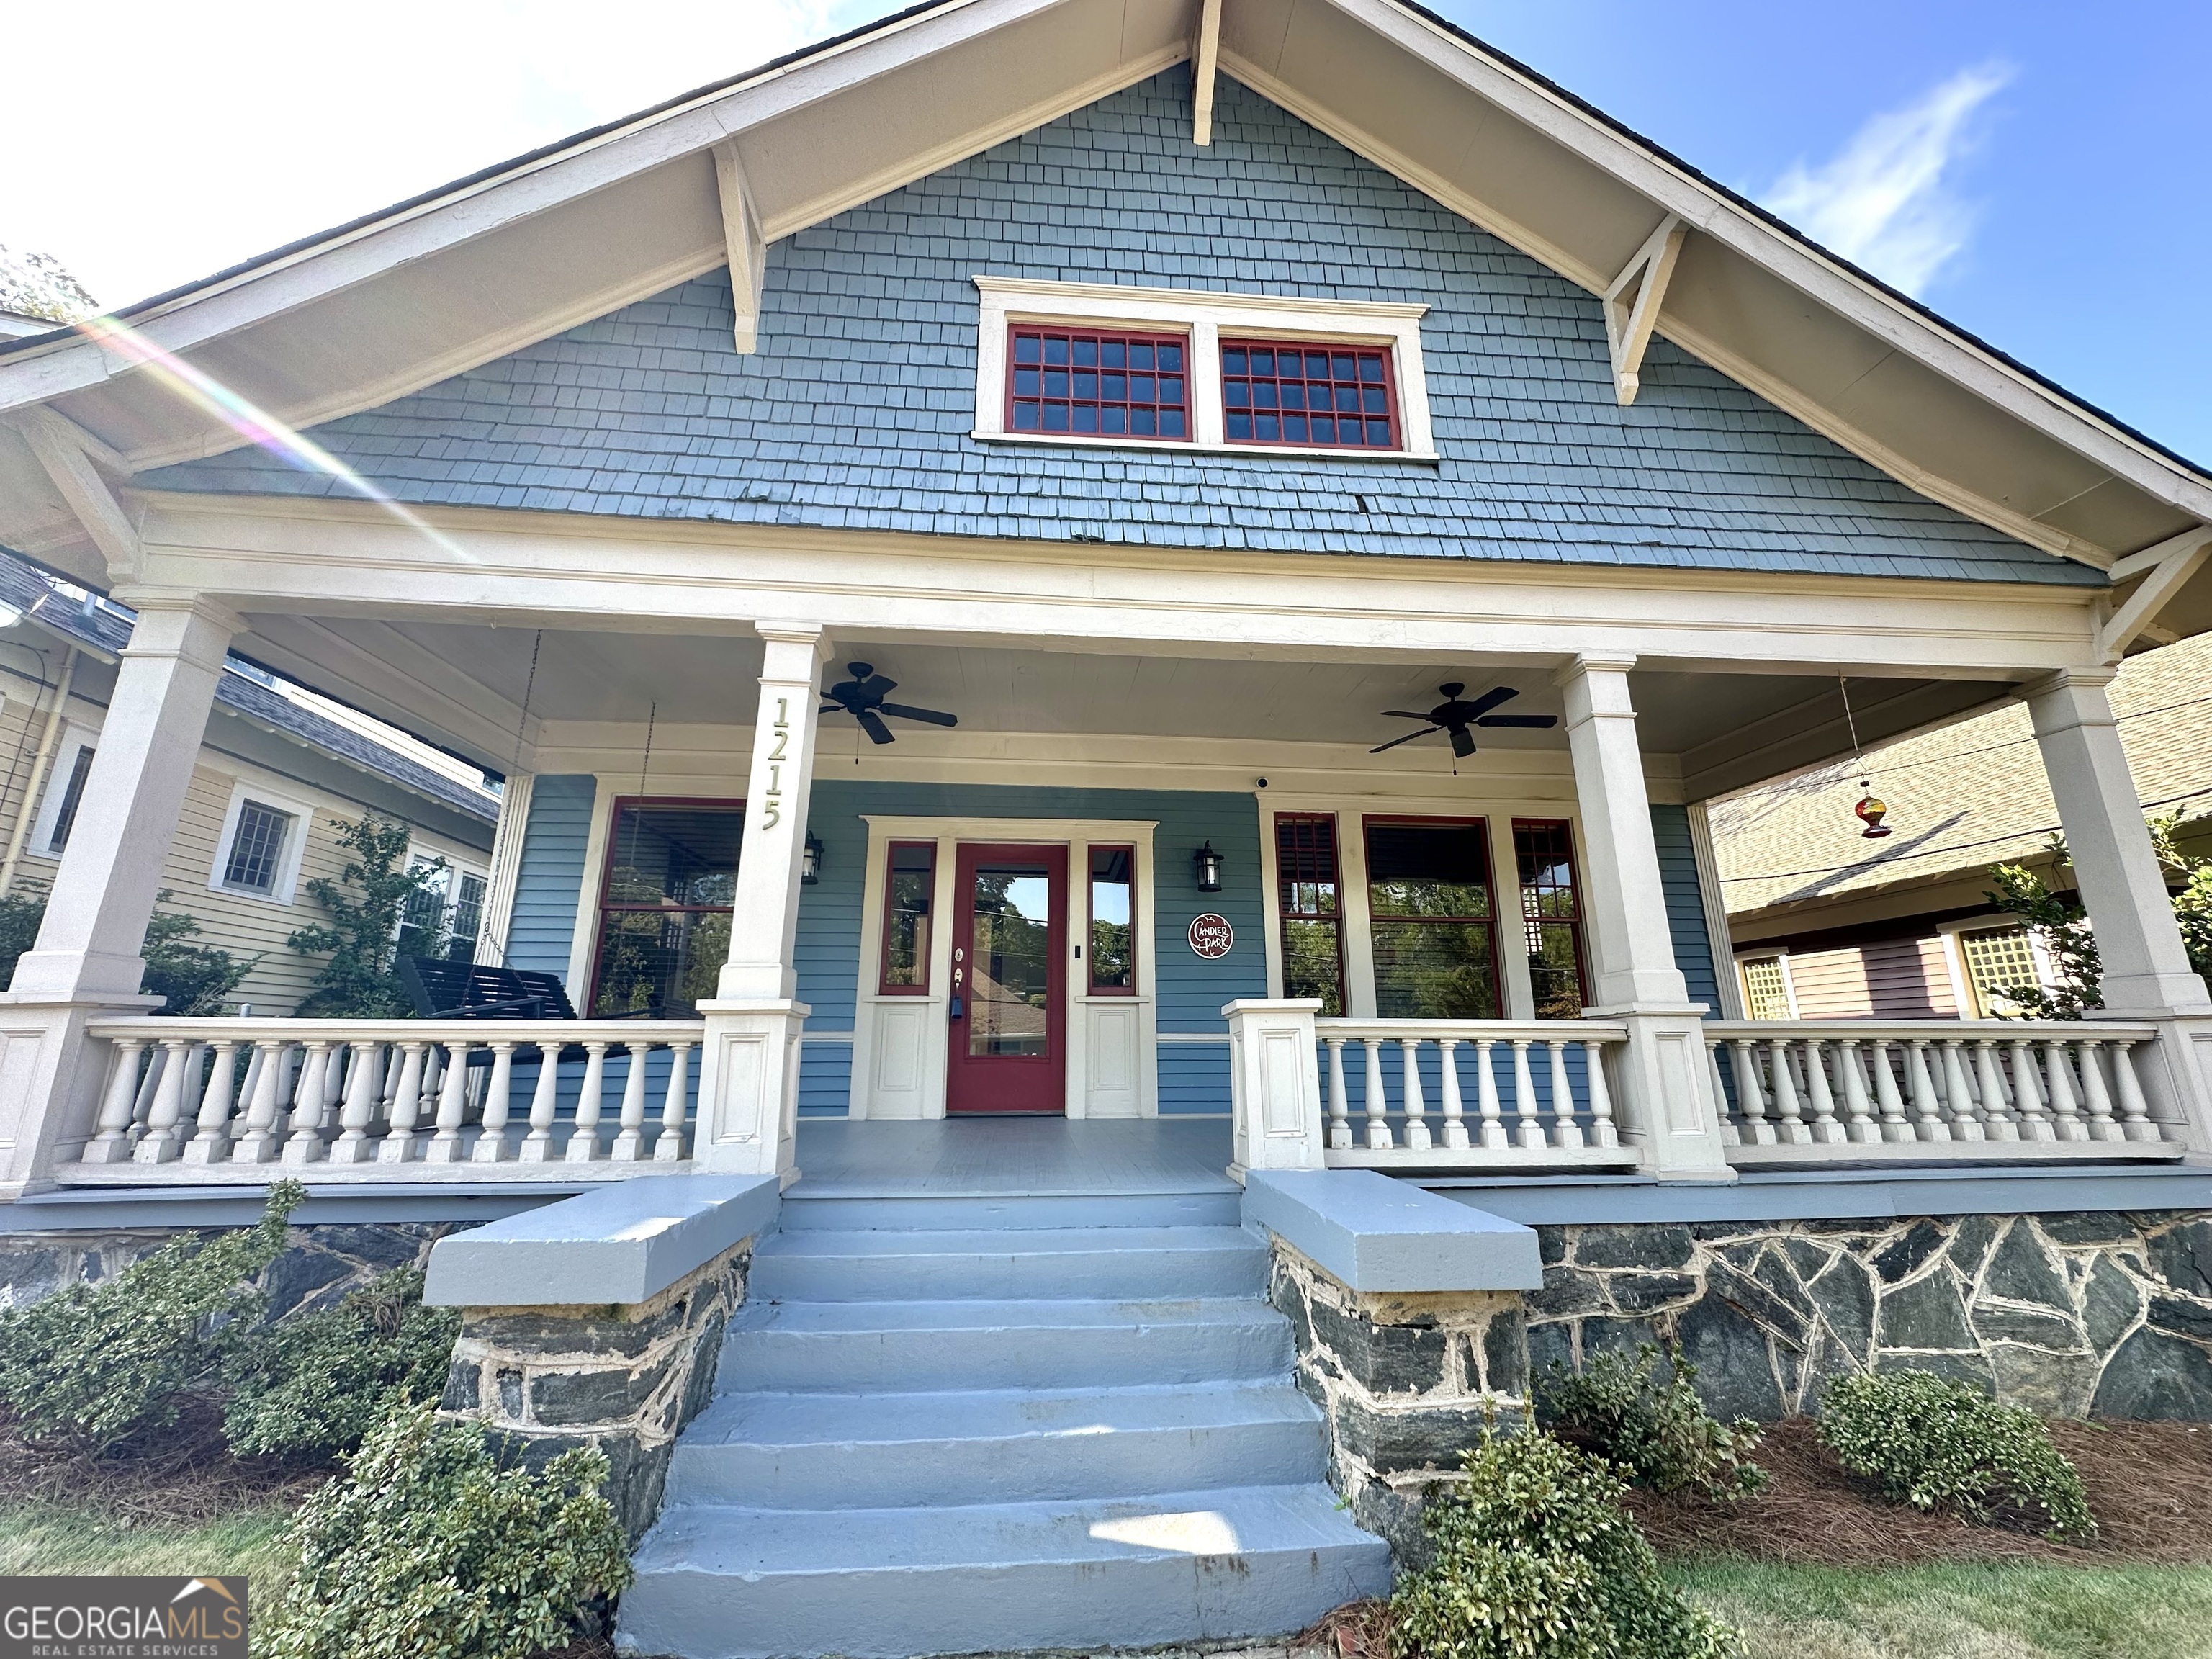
pixel 1009 939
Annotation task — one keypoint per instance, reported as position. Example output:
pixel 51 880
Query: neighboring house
pixel 1827 924
pixel 951 538
pixel 279 771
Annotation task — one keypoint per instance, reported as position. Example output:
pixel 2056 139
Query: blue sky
pixel 2034 171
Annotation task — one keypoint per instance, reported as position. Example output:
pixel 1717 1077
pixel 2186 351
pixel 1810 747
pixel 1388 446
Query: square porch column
pixel 749 1075
pixel 2147 971
pixel 86 962
pixel 1663 1088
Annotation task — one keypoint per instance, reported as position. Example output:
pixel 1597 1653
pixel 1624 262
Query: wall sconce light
pixel 1209 868
pixel 809 861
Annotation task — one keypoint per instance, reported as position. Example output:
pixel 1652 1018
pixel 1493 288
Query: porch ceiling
pixel 467 684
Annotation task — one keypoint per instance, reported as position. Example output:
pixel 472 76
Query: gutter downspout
pixel 48 740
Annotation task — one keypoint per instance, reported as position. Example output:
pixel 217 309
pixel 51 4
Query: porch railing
pixel 1473 1094
pixel 244 1100
pixel 1855 1091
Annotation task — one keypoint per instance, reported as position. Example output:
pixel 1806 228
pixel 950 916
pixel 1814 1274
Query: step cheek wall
pixel 626 1379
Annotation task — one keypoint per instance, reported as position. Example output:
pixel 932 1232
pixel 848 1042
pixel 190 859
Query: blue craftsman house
pixel 1107 623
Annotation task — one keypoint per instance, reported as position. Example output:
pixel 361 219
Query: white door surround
pixel 899 1050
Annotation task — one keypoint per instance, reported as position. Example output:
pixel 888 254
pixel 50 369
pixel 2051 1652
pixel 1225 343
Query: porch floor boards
pixel 1012 1157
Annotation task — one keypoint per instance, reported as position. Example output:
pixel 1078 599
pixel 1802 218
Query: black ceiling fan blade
pixel 1405 714
pixel 1490 700
pixel 873 726
pixel 1462 742
pixel 1519 720
pixel 1408 737
pixel 875 688
pixel 935 717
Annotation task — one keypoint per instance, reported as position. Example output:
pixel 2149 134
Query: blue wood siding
pixel 550 878
pixel 855 412
pixel 1685 906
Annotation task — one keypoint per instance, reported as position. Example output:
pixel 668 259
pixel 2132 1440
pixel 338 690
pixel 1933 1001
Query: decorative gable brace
pixel 2165 569
pixel 1204 60
pixel 741 234
pixel 1629 321
pixel 72 460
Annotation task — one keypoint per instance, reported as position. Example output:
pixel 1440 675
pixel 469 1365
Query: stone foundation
pixel 1406 1380
pixel 624 1379
pixel 2097 1314
pixel 320 1265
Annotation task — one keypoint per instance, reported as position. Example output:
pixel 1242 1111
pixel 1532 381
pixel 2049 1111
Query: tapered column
pixel 86 960
pixel 1663 1082
pixel 2146 971
pixel 749 1066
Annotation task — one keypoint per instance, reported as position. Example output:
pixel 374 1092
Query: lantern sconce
pixel 1209 868
pixel 809 861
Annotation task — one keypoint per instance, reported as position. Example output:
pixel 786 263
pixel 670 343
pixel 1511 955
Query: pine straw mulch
pixel 183 1475
pixel 2149 1486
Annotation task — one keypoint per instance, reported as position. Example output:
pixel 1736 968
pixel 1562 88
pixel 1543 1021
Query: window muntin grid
pixel 1999 961
pixel 468 917
pixel 257 845
pixel 1765 990
pixel 1101 383
pixel 1308 394
pixel 1550 914
pixel 1308 910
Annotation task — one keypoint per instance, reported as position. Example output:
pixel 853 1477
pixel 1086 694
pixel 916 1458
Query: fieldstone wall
pixel 624 1379
pixel 320 1265
pixel 1405 1381
pixel 2096 1314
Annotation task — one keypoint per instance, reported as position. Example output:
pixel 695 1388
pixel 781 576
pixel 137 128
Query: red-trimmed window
pixel 1113 921
pixel 665 903
pixel 1430 919
pixel 909 894
pixel 1097 383
pixel 1309 395
pixel 1307 908
pixel 1551 912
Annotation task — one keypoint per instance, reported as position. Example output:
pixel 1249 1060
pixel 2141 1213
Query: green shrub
pixel 1659 1434
pixel 1535 1560
pixel 316 1383
pixel 429 1549
pixel 94 1363
pixel 1937 1444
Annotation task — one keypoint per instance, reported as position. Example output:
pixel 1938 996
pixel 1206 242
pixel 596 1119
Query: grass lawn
pixel 46 1539
pixel 1959 1611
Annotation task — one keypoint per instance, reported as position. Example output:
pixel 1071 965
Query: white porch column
pixel 1664 1087
pixel 2147 972
pixel 1274 1087
pixel 85 961
pixel 749 1074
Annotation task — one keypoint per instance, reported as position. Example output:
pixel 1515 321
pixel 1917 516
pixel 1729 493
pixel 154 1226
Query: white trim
pixel 282 889
pixel 76 734
pixel 925 1064
pixel 584 944
pixel 507 833
pixel 1713 903
pixel 423 853
pixel 1781 960
pixel 1007 299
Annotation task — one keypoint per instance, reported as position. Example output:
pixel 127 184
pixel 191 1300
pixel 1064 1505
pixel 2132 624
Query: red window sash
pixel 884 987
pixel 1390 401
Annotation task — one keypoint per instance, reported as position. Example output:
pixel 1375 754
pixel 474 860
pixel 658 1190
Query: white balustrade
pixel 1942 1091
pixel 1539 1087
pixel 223 1100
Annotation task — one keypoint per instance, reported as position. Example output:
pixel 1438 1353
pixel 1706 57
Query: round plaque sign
pixel 1211 936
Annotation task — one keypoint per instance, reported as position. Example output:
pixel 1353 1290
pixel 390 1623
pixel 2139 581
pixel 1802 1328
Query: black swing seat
pixel 473 990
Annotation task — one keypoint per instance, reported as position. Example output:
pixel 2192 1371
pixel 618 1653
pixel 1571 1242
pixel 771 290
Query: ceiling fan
pixel 1456 717
pixel 862 697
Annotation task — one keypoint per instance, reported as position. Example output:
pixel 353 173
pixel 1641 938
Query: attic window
pixel 1060 363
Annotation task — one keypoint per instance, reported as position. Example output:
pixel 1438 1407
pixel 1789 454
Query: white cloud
pixel 1883 202
pixel 175 140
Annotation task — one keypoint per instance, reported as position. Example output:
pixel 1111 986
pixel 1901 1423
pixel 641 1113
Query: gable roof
pixel 519 253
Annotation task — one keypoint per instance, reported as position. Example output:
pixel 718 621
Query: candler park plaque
pixel 1211 936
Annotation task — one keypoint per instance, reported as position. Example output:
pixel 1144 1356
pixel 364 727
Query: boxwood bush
pixel 1937 1444
pixel 1657 1433
pixel 1535 1559
pixel 429 1547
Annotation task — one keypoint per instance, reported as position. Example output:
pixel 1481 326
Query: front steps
pixel 949 1426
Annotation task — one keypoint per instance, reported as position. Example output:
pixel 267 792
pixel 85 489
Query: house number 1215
pixel 779 735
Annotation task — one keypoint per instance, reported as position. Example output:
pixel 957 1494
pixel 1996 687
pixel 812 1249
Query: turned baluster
pixel 304 1145
pixel 1858 1110
pixel 265 1088
pixel 1454 1109
pixel 2065 1104
pixel 111 1143
pixel 2134 1111
pixel 545 1102
pixel 668 1147
pixel 401 1145
pixel 2103 1126
pixel 1378 1102
pixel 159 1144
pixel 1417 1105
pixel 2027 1094
pixel 1524 1098
pixel 1567 1135
pixel 491 1145
pixel 1958 1092
pixel 1927 1104
pixel 1826 1130
pixel 584 1142
pixel 1789 1114
pixel 630 1139
pixel 1603 1131
pixel 1751 1093
pixel 1731 1129
pixel 1494 1137
pixel 444 1146
pixel 1991 1087
pixel 1894 1128
pixel 1339 1100
pixel 212 1144
pixel 364 1093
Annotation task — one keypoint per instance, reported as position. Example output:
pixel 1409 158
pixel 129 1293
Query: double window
pixel 1410 929
pixel 664 905
pixel 444 915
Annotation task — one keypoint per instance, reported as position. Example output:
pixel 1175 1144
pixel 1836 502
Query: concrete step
pixel 846 1347
pixel 813 1451
pixel 817 1265
pixel 753 1584
pixel 1206 1206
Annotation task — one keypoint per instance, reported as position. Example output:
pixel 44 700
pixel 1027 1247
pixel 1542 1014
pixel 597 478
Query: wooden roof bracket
pixel 1630 317
pixel 74 460
pixel 2164 568
pixel 741 234
pixel 1205 62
